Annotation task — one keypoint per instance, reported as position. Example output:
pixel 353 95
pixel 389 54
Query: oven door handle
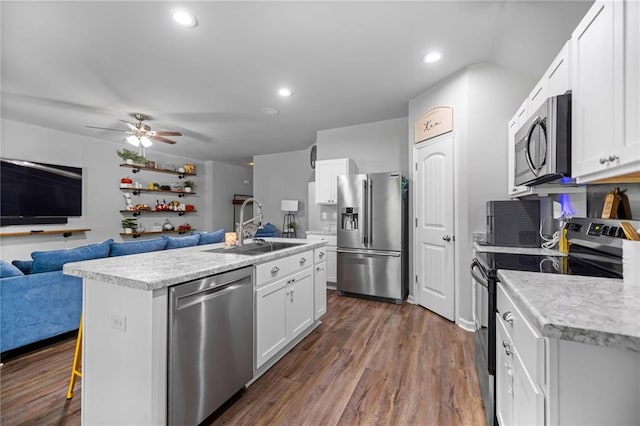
pixel 478 274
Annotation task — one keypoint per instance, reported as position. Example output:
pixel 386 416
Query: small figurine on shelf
pixel 128 203
pixel 167 226
pixel 184 228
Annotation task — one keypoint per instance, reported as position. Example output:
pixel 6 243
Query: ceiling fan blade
pixel 106 128
pixel 167 133
pixel 161 139
pixel 129 125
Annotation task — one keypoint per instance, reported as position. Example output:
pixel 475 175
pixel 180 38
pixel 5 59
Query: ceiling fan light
pixel 133 140
pixel 146 142
pixel 184 18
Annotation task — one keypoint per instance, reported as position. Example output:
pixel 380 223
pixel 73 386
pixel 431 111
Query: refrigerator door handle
pixel 370 213
pixel 365 218
pixel 370 252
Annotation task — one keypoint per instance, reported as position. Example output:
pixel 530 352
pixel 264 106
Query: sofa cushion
pixel 211 237
pixel 133 247
pixel 53 260
pixel 8 270
pixel 24 265
pixel 179 242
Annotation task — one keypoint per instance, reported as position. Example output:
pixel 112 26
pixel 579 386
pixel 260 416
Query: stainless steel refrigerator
pixel 372 236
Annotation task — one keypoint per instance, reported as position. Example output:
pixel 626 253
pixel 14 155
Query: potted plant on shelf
pixel 188 185
pixel 130 157
pixel 129 224
pixel 291 228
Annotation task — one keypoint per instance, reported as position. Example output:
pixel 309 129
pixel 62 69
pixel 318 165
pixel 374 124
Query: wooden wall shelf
pixel 139 234
pixel 137 167
pixel 65 232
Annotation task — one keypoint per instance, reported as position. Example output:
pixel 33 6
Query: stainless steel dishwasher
pixel 210 354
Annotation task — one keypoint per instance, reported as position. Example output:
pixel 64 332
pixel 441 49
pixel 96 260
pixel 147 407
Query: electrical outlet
pixel 119 322
pixel 324 215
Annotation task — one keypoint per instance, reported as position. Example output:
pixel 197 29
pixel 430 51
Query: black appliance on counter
pixel 595 251
pixel 513 223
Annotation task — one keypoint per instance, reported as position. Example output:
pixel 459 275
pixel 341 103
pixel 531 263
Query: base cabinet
pixel 284 309
pixel 319 290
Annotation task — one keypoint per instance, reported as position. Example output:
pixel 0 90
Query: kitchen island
pixel 125 323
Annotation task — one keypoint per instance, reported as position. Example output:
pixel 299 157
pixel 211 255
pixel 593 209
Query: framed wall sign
pixel 433 123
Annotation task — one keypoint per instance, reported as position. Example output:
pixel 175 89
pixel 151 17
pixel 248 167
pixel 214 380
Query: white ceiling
pixel 66 65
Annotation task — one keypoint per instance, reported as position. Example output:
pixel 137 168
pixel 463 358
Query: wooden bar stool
pixel 75 371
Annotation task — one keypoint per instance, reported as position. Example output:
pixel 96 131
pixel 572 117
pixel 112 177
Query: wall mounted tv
pixel 38 193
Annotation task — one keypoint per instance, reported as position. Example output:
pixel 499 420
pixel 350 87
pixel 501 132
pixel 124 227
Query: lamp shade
pixel 289 205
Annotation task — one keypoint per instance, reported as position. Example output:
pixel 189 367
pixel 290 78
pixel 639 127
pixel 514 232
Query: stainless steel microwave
pixel 543 143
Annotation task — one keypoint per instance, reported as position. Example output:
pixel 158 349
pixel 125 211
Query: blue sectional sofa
pixel 37 301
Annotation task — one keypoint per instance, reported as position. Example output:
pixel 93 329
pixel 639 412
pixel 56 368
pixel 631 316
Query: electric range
pixel 595 251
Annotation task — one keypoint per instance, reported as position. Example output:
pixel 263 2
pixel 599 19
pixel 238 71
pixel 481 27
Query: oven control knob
pixel 508 317
pixel 620 233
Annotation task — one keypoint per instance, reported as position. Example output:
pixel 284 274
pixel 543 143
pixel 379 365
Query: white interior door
pixel 434 231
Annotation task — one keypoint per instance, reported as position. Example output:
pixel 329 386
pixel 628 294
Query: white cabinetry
pixel 331 255
pixel 327 172
pixel 519 366
pixel 605 75
pixel 284 303
pixel 319 282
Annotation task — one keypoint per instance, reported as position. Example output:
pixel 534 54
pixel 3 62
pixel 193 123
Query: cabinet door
pixel 332 264
pixel 504 375
pixel 528 400
pixel 323 181
pixel 558 77
pixel 597 78
pixel 538 95
pixel 522 114
pixel 271 320
pixel 300 302
pixel 319 290
pixel 632 76
pixel 340 167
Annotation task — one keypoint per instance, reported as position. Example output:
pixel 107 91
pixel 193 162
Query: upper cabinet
pixel 606 91
pixel 327 172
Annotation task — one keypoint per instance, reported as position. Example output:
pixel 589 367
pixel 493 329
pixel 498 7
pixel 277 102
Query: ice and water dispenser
pixel 349 218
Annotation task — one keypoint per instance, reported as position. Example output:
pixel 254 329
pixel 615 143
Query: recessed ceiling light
pixel 251 163
pixel 269 111
pixel 184 18
pixel 432 57
pixel 285 92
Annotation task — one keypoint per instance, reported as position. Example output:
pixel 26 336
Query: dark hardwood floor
pixel 368 363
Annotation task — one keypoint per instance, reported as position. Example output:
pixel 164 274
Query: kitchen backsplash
pixel 597 193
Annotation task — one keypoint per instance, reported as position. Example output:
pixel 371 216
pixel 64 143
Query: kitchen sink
pixel 254 248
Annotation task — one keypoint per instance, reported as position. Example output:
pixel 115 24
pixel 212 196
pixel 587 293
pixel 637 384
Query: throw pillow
pixel 8 270
pixel 24 265
pixel 53 260
pixel 211 237
pixel 179 242
pixel 134 247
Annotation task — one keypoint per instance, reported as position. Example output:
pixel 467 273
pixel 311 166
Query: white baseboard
pixel 467 325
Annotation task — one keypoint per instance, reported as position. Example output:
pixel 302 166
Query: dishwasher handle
pixel 207 294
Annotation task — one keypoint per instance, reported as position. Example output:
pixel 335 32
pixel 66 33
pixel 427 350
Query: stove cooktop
pixel 573 264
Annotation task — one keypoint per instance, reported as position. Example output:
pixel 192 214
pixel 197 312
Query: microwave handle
pixel 527 152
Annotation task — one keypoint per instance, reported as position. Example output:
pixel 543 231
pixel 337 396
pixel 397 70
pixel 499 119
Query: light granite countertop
pixel 516 250
pixel 159 269
pixel 318 232
pixel 597 311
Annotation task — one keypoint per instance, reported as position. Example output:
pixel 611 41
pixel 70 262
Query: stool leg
pixel 76 360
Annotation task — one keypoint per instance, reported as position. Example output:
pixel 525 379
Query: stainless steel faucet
pixel 242 221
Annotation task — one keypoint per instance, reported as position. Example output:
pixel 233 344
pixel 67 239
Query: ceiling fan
pixel 141 133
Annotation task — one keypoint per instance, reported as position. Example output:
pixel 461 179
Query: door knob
pixel 604 160
pixel 613 158
pixel 446 238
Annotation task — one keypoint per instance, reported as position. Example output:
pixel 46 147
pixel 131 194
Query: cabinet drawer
pixel 301 260
pixel 320 255
pixel 269 271
pixel 527 341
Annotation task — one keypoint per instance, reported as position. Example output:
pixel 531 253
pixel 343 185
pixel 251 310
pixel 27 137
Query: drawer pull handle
pixel 613 158
pixel 507 348
pixel 303 261
pixel 604 160
pixel 321 254
pixel 275 270
pixel 508 317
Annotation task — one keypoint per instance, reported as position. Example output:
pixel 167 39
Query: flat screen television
pixel 38 193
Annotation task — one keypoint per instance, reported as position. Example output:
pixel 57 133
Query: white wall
pixel 283 176
pixel 379 146
pixel 483 97
pixel 102 198
pixel 224 180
